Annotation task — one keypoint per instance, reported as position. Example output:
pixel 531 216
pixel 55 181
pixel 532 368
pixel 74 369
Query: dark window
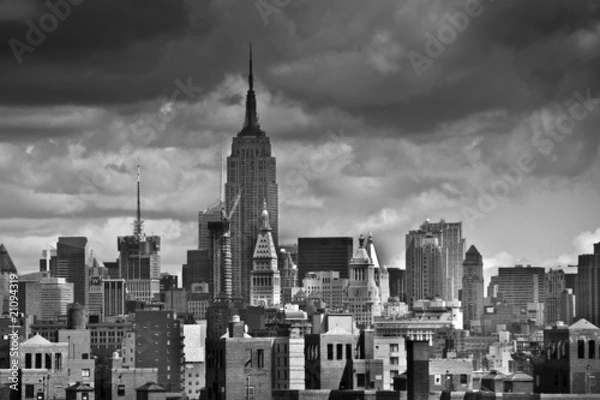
pixel 349 351
pixel 260 355
pixel 48 361
pixel 330 352
pixel 58 361
pixel 121 390
pixel 463 379
pixel 29 391
pixel 340 351
pixel 360 380
pixel 592 349
pixel 248 359
pixel 27 360
pixel 38 360
pixel 581 348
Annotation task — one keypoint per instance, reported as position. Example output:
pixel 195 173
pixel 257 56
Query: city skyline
pixel 343 111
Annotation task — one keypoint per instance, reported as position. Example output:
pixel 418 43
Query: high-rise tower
pixel 252 168
pixel 139 261
pixel 472 286
pixel 265 284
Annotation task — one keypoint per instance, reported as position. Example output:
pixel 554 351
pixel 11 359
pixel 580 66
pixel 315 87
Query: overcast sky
pixel 380 115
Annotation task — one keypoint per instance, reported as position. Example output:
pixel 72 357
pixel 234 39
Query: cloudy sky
pixel 380 116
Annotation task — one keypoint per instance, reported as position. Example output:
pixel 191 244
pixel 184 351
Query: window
pixel 330 352
pixel 121 390
pixel 393 360
pixel 463 379
pixel 58 361
pixel 581 348
pixel 248 363
pixel 348 351
pixel 29 391
pixel 394 348
pixel 360 380
pixel 592 349
pixel 85 373
pixel 260 355
pixel 48 361
pixel 437 379
pixel 38 360
pixel 340 351
pixel 27 360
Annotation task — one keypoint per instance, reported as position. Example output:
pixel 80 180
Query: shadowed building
pixel 251 169
pixel 472 287
pixel 72 263
pixel 324 254
pixel 588 286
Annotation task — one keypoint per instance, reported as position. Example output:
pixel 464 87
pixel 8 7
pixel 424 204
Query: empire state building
pixel 251 171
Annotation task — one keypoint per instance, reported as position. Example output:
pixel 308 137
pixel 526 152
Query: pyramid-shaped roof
pixel 37 340
pixel 583 325
pixel 6 264
pixel 265 246
pixel 473 250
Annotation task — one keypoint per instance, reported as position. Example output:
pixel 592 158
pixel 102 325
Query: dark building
pixel 398 283
pixel 113 269
pixel 251 171
pixel 472 287
pixel 159 344
pixel 197 269
pixel 72 263
pixel 6 263
pixel 324 254
pixel 588 286
pixel 211 213
pixel 518 285
pixel 168 281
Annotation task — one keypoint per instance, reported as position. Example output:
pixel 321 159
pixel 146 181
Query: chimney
pixel 236 327
pixel 597 248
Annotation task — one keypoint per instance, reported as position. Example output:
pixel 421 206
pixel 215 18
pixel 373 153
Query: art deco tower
pixel 472 286
pixel 250 168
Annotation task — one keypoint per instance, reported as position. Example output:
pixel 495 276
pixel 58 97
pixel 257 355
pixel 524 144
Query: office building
pixel 251 172
pixel 398 283
pixel 449 238
pixel 588 286
pixel 326 286
pixel 56 295
pixel 168 281
pixel 472 287
pixel 324 254
pixel 197 269
pixel 139 259
pixel 559 300
pixel 114 297
pixel 363 300
pixel 72 263
pixel 519 285
pixel 426 267
pixel 210 214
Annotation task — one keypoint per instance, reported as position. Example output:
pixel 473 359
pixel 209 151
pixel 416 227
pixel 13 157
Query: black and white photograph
pixel 299 199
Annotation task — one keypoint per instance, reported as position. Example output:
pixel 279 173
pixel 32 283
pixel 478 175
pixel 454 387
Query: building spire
pixel 138 224
pixel 251 125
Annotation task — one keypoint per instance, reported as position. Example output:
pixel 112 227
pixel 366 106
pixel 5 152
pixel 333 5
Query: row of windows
pixel 339 351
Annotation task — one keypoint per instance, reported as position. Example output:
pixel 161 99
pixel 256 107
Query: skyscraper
pixel 588 286
pixel 472 287
pixel 363 297
pixel 139 261
pixel 56 295
pixel 211 213
pixel 324 254
pixel 72 263
pixel 250 169
pixel 265 280
pixel 519 285
pixel 449 236
pixel 426 268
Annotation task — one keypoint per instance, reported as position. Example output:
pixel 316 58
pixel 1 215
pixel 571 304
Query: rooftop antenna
pixel 221 188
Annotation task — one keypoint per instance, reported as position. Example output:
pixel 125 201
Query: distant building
pixel 168 281
pixel 265 279
pixel 363 299
pixel 56 295
pixel 426 267
pixel 197 269
pixel 289 276
pixel 324 254
pixel 519 285
pixel 398 283
pixel 382 276
pixel 211 213
pixel 251 171
pixel 72 263
pixel 114 297
pixel 588 286
pixel 326 286
pixel 472 287
pixel 449 238
pixel 195 366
